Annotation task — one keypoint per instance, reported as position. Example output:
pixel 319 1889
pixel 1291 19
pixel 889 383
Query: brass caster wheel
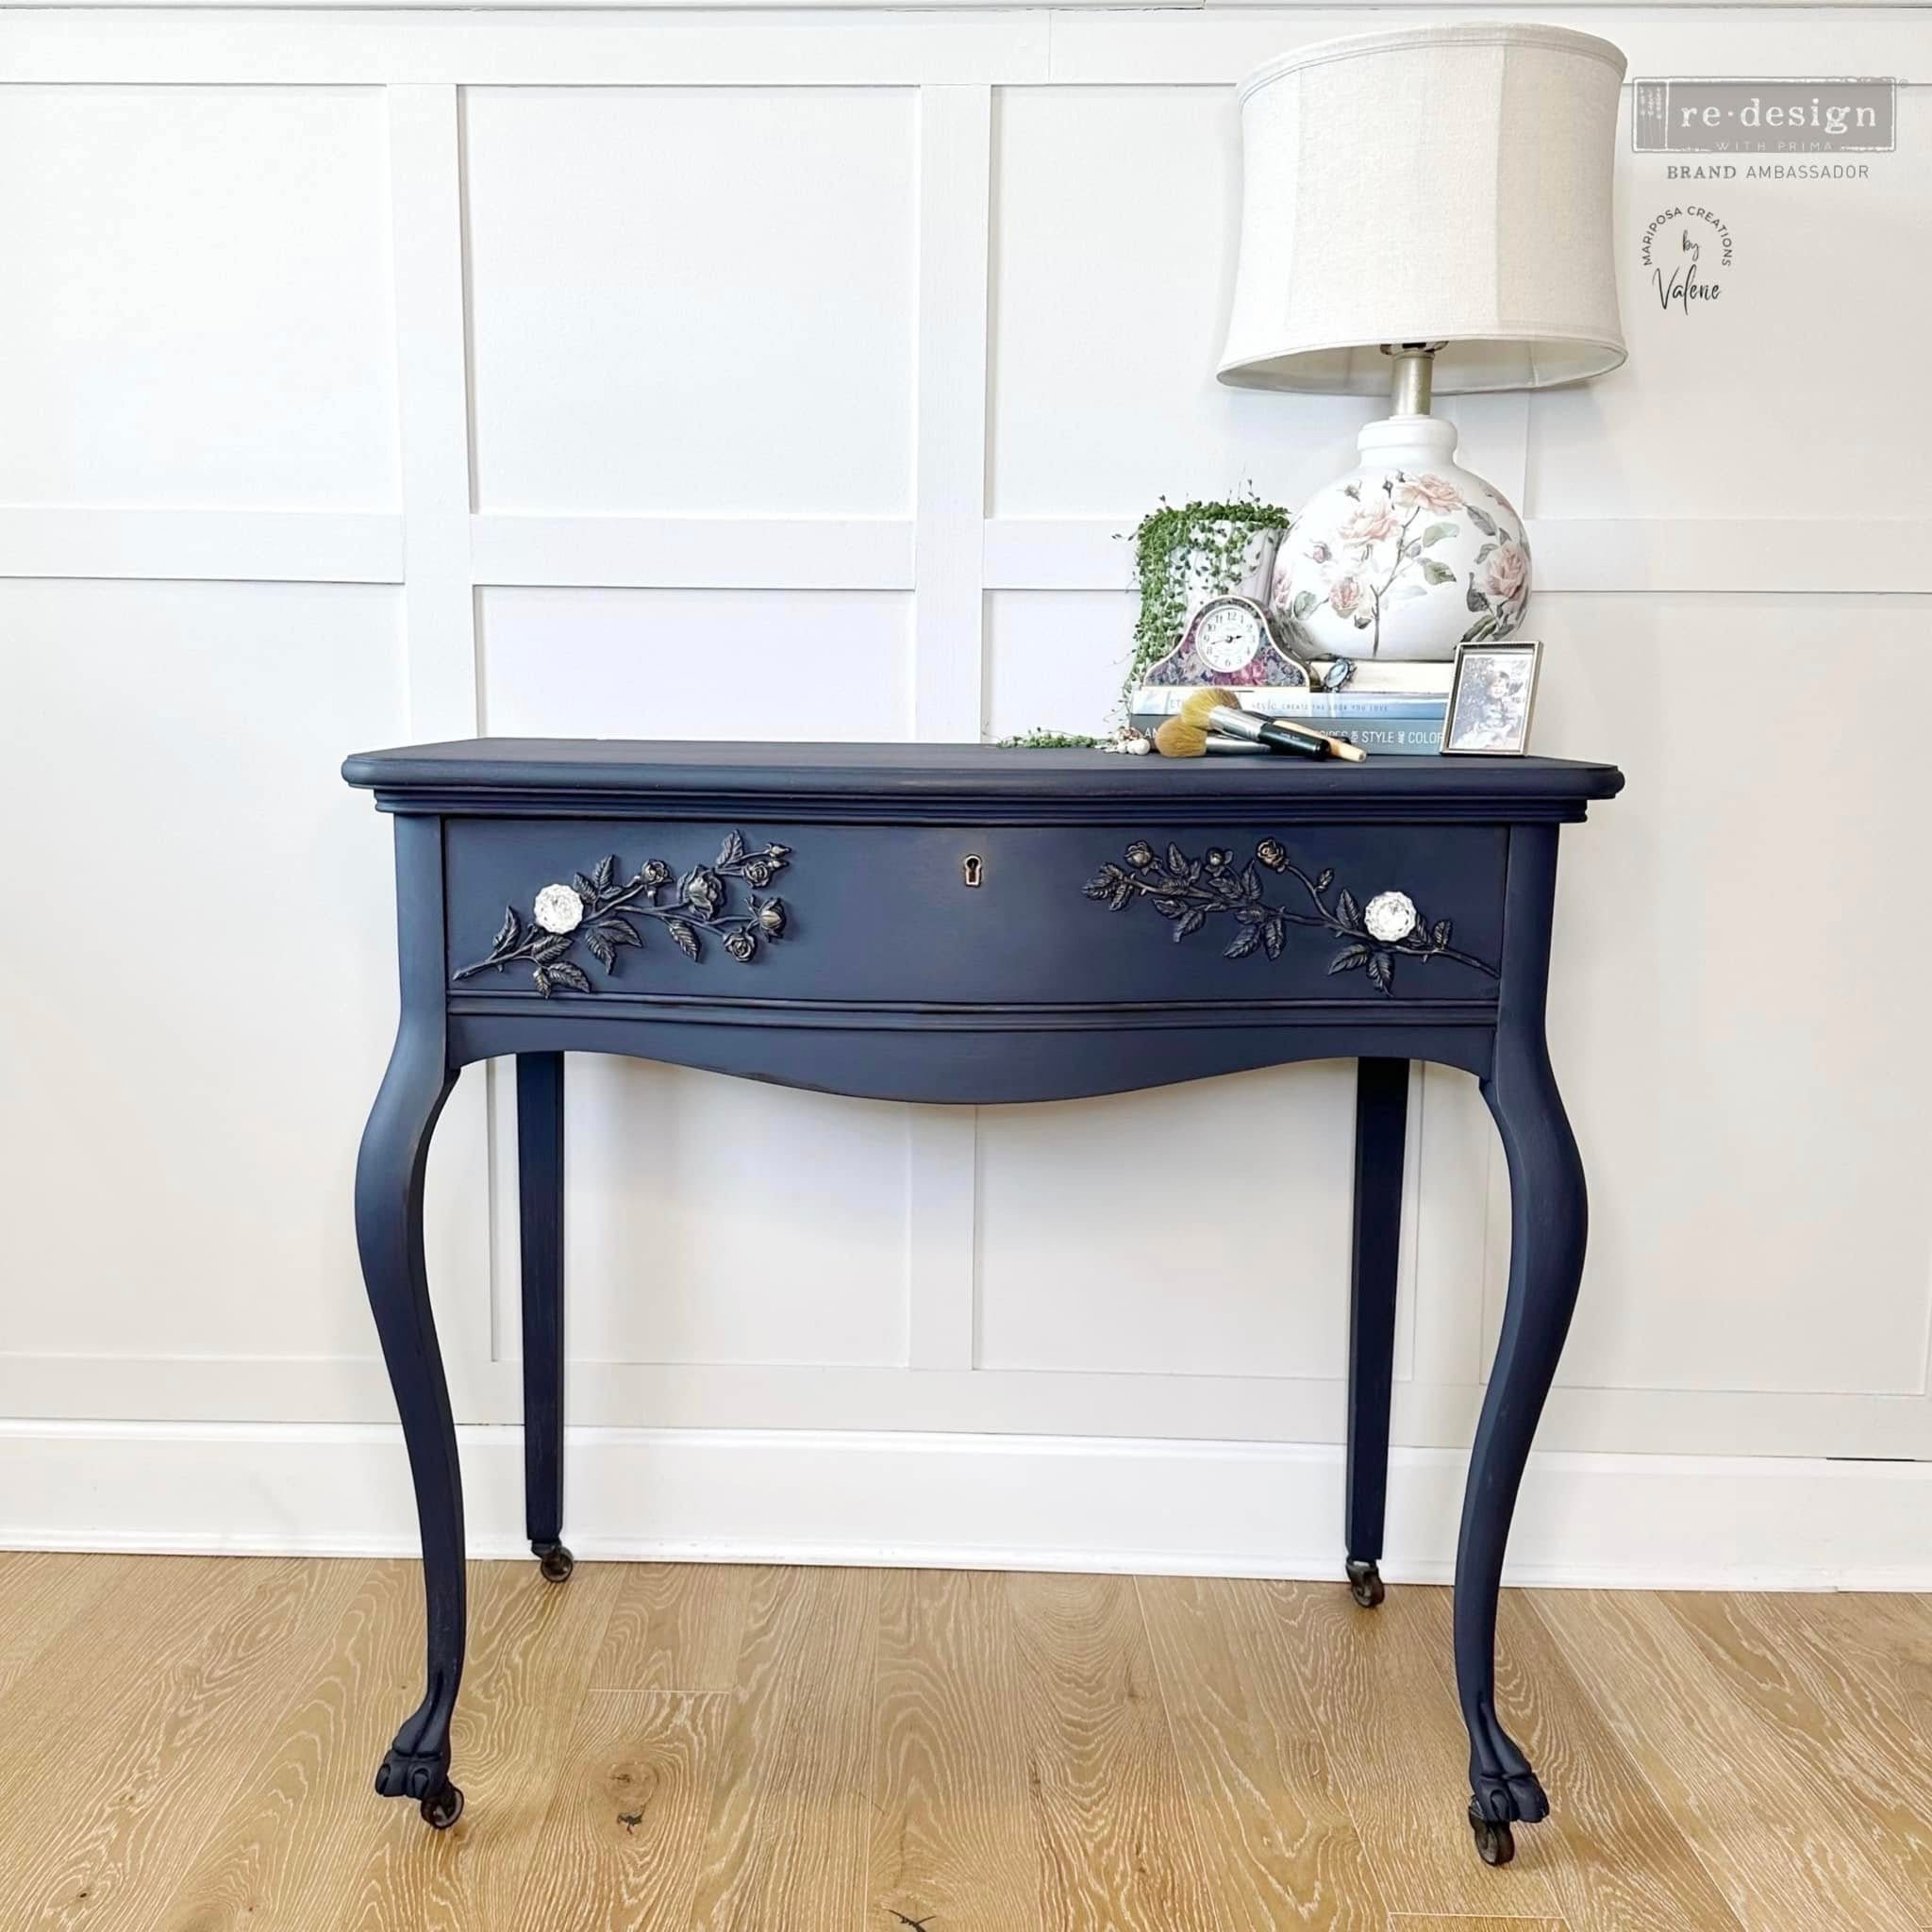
pixel 442 1808
pixel 553 1560
pixel 1365 1584
pixel 1494 1843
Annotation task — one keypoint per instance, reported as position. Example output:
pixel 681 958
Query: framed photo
pixel 1491 697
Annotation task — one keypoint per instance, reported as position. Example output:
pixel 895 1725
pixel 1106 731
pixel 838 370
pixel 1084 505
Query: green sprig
pixel 1041 740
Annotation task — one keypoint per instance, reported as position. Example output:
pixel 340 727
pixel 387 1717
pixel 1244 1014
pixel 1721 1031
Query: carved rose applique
pixel 1189 893
pixel 603 916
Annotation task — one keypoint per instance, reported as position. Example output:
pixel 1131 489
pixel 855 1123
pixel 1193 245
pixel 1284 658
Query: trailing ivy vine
pixel 1164 541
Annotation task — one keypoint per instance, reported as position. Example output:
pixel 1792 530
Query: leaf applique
pixel 1188 893
pixel 610 915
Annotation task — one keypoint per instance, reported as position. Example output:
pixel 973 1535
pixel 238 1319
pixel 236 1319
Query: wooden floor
pixel 187 1744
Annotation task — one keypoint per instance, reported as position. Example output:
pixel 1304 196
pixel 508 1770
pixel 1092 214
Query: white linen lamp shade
pixel 1424 208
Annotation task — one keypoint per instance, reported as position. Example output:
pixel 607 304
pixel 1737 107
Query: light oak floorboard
pixel 1434 1922
pixel 1784 1858
pixel 1260 1792
pixel 953 1841
pixel 149 1768
pixel 1886 1644
pixel 1622 1864
pixel 791 1827
pixel 531 1646
pixel 1401 1756
pixel 56 1587
pixel 620 1845
pixel 290 1843
pixel 1811 1676
pixel 675 1626
pixel 189 1744
pixel 1118 1848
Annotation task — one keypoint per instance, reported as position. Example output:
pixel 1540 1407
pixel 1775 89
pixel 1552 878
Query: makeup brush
pixel 1186 734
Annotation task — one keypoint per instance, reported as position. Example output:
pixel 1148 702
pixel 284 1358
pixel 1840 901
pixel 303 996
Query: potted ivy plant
pixel 1184 554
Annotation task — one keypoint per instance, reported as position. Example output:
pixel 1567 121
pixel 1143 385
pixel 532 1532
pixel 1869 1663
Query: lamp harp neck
pixel 1411 376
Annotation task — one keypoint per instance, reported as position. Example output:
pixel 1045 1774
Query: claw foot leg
pixel 417 1767
pixel 1496 1804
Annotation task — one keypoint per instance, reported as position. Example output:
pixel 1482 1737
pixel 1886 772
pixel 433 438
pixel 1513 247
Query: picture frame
pixel 1491 700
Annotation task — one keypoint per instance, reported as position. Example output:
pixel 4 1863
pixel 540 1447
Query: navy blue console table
pixel 945 923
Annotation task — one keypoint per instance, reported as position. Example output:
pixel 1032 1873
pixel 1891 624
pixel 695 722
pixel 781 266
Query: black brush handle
pixel 1279 733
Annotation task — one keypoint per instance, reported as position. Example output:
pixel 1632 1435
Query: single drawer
pixel 993 916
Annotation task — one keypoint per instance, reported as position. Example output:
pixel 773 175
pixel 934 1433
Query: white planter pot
pixel 1202 573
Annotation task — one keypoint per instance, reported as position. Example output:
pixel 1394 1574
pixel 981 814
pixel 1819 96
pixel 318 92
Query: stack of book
pixel 1385 709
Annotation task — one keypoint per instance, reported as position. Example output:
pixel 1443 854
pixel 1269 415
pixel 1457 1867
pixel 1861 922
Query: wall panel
pixel 1116 215
pixel 694 663
pixel 1200 1229
pixel 209 317
pixel 202 994
pixel 1731 932
pixel 1054 659
pixel 714 1221
pixel 607 381
pixel 1776 398
pixel 1117 212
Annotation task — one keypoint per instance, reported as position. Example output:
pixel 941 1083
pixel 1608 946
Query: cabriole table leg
pixel 1548 1223
pixel 388 1233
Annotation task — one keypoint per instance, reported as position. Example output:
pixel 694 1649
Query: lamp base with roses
pixel 1405 556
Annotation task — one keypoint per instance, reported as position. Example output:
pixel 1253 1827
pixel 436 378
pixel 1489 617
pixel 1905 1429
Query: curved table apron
pixel 958 924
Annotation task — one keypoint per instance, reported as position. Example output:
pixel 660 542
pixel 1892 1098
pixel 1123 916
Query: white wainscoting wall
pixel 387 374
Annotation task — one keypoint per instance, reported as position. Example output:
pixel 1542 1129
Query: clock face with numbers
pixel 1228 634
pixel 1228 640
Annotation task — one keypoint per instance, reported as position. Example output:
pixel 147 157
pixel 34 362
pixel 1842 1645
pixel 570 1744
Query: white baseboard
pixel 980 1501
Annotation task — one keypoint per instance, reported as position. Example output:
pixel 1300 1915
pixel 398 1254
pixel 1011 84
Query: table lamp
pixel 1425 210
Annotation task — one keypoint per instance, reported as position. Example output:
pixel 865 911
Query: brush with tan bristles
pixel 1185 734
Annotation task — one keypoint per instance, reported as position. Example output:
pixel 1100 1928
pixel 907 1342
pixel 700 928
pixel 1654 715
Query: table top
pixel 929 782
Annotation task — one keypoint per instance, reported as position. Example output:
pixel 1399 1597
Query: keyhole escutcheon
pixel 971 868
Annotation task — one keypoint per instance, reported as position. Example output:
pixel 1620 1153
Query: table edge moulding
pixel 968 924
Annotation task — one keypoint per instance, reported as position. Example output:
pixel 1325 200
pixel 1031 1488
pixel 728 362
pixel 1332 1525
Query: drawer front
pixel 1063 915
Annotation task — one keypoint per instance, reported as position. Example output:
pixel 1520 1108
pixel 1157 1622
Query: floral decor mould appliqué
pixel 604 916
pixel 1191 892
